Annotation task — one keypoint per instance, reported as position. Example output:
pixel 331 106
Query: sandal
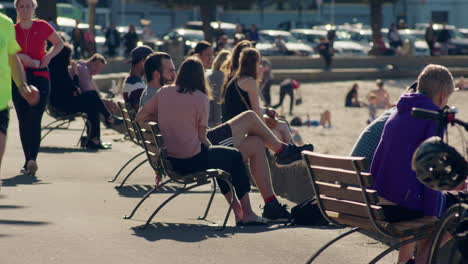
pixel 259 221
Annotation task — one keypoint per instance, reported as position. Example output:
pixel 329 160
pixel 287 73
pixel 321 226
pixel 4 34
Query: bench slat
pixel 350 207
pixel 424 224
pixel 347 193
pixel 332 161
pixel 333 175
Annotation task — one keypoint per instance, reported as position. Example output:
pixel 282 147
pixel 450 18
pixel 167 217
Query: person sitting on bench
pixel 182 110
pixel 67 95
pixel 246 132
pixel 134 85
pixel 395 181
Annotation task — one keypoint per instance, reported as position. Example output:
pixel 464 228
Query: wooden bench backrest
pixel 129 122
pixel 156 151
pixel 340 189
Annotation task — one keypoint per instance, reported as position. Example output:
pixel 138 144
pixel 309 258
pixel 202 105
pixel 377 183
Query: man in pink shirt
pixel 231 133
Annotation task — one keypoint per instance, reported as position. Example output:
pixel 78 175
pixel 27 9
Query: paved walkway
pixel 71 214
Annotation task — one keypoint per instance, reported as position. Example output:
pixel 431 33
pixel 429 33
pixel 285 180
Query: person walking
pixel 130 39
pixel 443 38
pixel 78 41
pixel 394 38
pixel 112 40
pixel 326 52
pixel 31 35
pixel 12 68
pixel 430 37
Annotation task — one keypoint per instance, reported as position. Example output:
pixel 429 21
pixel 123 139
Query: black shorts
pixel 397 213
pixel 4 120
pixel 221 135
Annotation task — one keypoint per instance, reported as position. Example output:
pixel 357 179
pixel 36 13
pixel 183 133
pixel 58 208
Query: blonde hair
pixel 435 79
pixel 98 57
pixel 34 3
pixel 220 59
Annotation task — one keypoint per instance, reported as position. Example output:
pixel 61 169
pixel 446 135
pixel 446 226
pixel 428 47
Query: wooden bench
pixel 345 197
pixel 156 151
pixel 129 122
pixel 62 119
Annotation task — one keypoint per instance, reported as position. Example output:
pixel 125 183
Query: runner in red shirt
pixel 31 35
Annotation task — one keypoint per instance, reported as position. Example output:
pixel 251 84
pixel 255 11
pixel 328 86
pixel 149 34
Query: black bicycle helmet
pixel 438 165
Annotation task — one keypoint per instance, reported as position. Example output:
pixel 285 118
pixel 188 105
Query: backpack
pixel 308 213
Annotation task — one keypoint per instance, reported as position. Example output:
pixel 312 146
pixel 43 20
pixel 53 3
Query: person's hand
pixel 30 93
pixel 27 61
pixel 73 68
pixel 45 62
pixel 270 112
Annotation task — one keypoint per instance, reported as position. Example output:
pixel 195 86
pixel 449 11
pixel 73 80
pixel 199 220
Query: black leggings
pixel 286 89
pixel 30 117
pixel 217 157
pixel 90 103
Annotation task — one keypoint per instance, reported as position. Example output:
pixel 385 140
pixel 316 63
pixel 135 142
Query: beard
pixel 163 81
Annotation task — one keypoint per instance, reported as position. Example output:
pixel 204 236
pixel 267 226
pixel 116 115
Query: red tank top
pixel 33 40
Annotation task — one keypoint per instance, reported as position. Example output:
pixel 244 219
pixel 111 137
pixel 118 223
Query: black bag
pixel 308 213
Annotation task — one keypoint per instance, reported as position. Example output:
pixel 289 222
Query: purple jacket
pixel 391 167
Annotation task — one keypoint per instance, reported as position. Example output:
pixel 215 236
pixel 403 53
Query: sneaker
pixel 291 155
pixel 274 211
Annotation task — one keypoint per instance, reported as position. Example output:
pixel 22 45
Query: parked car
pixel 416 37
pixel 343 44
pixel 458 44
pixel 292 44
pixel 189 37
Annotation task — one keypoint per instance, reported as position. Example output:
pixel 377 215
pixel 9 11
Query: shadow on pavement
pixel 191 233
pixel 11 207
pixel 138 190
pixel 20 222
pixel 63 150
pixel 21 179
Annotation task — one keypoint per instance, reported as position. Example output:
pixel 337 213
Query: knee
pixel 250 115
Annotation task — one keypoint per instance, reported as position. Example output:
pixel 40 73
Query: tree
pixel 47 9
pixel 375 7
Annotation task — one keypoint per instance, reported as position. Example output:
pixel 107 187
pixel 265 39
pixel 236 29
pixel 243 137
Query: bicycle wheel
pixel 454 215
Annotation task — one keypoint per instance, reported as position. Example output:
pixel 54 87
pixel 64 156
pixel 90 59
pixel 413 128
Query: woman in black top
pixel 242 93
pixel 130 39
pixel 352 98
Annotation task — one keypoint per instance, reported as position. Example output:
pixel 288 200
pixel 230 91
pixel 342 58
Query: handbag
pixel 271 122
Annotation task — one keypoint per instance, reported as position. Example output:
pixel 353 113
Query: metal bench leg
pixel 179 192
pixel 397 246
pixel 82 131
pixel 230 205
pixel 52 123
pixel 209 202
pixel 146 197
pixel 131 172
pixel 318 252
pixel 126 164
pixel 50 129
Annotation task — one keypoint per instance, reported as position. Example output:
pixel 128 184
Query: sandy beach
pixel 349 122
